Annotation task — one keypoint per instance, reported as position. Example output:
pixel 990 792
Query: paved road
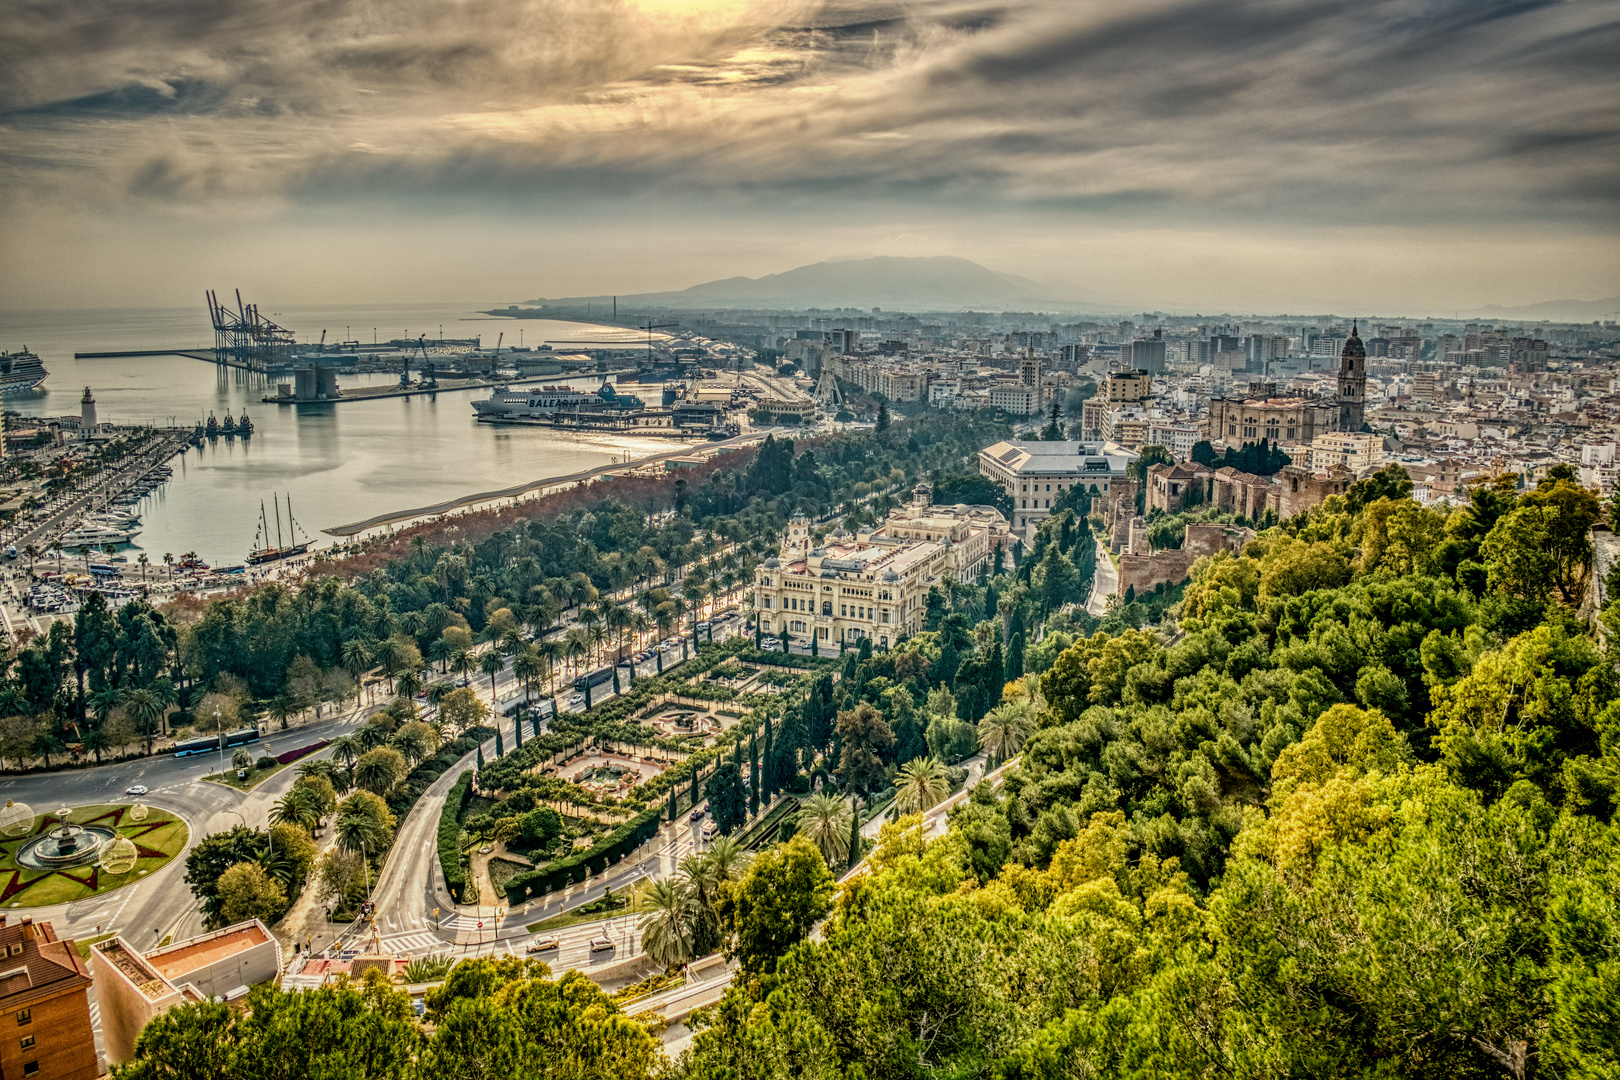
pixel 1104 583
pixel 162 905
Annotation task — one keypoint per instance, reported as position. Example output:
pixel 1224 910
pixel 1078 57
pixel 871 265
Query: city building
pixel 1296 419
pixel 1357 452
pixel 132 989
pixel 1016 399
pixel 1035 474
pixel 1126 387
pixel 45 993
pixel 873 586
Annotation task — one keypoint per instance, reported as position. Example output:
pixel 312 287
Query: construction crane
pixel 650 326
pixel 495 357
pixel 430 381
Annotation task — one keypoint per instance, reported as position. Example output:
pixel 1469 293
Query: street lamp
pixel 219 726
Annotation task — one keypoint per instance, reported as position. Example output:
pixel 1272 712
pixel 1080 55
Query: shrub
pixel 266 763
pixel 455 804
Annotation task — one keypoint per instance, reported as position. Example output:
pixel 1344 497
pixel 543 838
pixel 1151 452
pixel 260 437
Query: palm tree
pixel 146 709
pixel 282 709
pixel 825 820
pixel 241 759
pixel 439 651
pixel 492 663
pixel 356 659
pixel 379 770
pixel 347 749
pixel 143 560
pixel 576 646
pixel 301 806
pixel 921 785
pixel 667 922
pixel 389 653
pixel 412 742
pixel 461 662
pixel 528 667
pixel 356 829
pixel 1003 730
pixel 409 682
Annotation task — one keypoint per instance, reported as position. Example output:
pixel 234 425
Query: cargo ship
pixel 541 402
pixel 20 372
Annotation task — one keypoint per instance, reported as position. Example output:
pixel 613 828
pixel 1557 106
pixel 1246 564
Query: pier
pixel 471 382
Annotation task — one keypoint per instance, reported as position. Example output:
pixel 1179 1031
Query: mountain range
pixel 933 283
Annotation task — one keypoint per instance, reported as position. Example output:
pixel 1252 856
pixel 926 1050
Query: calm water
pixel 339 463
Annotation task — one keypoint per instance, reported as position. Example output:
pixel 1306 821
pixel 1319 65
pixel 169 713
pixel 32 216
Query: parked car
pixel 601 944
pixel 543 944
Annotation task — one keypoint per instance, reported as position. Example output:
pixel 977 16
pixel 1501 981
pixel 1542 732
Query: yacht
pixel 90 535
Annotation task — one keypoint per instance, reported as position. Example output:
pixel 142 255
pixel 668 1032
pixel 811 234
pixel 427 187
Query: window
pixel 27 1041
pixel 16 950
pixel 31 1068
pixel 826 607
pixel 767 603
pixel 25 1016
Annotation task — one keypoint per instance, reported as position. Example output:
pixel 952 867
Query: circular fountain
pixel 66 845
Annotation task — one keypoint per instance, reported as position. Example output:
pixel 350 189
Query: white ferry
pixel 526 403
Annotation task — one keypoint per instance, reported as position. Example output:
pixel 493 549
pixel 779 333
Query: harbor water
pixel 339 463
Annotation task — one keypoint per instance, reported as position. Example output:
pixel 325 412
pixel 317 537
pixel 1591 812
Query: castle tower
pixel 1352 382
pixel 87 412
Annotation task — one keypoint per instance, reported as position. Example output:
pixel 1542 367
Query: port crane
pixel 650 326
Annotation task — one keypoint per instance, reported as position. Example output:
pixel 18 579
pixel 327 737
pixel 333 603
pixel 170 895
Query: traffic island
pixel 58 858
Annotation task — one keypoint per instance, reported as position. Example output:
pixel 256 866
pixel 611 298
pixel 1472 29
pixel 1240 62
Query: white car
pixel 135 789
pixel 577 699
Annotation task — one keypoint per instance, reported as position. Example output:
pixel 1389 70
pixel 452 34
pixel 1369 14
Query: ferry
pixel 20 372
pixel 533 403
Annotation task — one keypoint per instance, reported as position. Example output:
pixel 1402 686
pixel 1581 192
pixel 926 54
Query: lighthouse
pixel 87 413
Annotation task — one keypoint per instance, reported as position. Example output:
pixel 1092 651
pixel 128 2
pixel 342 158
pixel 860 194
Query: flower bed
pixel 303 751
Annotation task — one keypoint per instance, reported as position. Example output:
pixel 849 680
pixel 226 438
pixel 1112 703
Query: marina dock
pixel 378 393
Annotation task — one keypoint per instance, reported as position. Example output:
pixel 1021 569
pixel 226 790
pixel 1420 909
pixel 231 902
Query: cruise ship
pixel 545 401
pixel 20 372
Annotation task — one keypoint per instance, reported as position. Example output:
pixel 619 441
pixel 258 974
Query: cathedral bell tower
pixel 1352 382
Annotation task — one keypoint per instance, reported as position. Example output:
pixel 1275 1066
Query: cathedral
pixel 1264 415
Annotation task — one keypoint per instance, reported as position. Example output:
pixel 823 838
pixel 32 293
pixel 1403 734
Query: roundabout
pixel 71 854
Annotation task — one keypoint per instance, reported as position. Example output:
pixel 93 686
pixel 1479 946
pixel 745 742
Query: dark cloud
pixel 1387 111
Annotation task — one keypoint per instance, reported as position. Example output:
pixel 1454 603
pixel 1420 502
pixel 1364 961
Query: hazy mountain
pixel 909 284
pixel 1558 310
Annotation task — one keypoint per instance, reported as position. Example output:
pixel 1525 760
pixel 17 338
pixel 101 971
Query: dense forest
pixel 1343 804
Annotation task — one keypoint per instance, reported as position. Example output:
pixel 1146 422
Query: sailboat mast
pixel 278 522
pixel 292 526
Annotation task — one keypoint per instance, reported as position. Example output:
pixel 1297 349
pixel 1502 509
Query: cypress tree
pixel 517 731
pixel 616 689
pixel 769 788
pixel 500 750
pixel 854 837
pixel 672 802
pixel 480 756
pixel 753 778
pixel 1015 657
pixel 694 786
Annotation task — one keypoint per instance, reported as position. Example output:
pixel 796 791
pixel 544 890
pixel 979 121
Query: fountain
pixel 65 846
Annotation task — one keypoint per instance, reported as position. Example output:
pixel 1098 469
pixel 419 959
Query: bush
pixel 266 763
pixel 455 804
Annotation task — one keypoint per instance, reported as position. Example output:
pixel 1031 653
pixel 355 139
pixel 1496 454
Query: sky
pixel 1416 157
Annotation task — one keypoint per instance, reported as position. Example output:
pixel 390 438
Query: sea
pixel 337 463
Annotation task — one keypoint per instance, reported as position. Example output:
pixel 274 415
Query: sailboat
pixel 262 551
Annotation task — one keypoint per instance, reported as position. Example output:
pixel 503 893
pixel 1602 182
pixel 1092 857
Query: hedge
pixel 408 790
pixel 576 868
pixel 455 805
pixel 293 755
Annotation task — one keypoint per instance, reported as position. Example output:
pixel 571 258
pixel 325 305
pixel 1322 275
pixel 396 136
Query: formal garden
pixel 564 805
pixel 66 855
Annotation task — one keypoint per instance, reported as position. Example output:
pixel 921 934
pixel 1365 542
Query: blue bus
pixel 239 737
pixel 595 678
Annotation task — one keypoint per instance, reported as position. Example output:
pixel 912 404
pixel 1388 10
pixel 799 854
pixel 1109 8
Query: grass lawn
pixel 158 839
pixel 83 944
pixel 255 777
pixel 594 911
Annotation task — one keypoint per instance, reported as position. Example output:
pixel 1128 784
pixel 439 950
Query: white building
pixel 1355 451
pixel 874 585
pixel 1036 474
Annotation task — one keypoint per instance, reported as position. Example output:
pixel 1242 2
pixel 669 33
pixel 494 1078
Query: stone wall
pixel 1173 565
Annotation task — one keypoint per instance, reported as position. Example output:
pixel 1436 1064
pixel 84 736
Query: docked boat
pixel 20 372
pixel 97 535
pixel 227 427
pixel 533 403
pixel 285 547
pixel 212 428
pixel 244 426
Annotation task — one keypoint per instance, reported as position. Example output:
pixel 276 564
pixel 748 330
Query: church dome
pixel 1353 345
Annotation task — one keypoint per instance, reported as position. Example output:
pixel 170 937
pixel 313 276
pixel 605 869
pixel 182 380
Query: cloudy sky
pixel 1245 155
